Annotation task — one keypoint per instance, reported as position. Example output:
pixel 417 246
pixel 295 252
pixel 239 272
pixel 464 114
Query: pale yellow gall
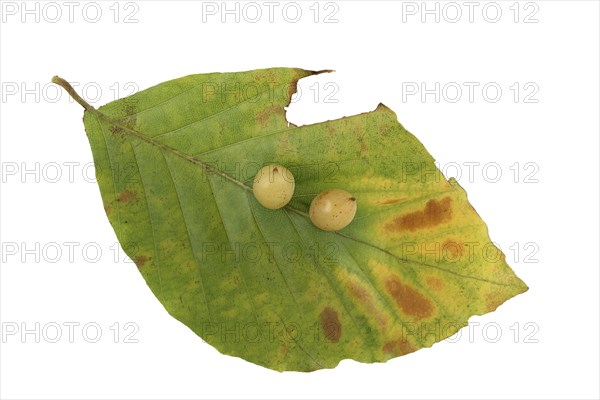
pixel 332 210
pixel 273 186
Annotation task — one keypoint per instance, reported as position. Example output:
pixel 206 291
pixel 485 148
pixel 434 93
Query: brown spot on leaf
pixel 452 250
pixel 126 196
pixel 129 122
pixel 494 300
pixel 410 301
pixel 399 347
pixel 332 328
pixel 292 88
pixel 435 283
pixel 330 131
pixel 263 116
pixel 130 110
pixel 363 145
pixel 130 106
pixel 436 212
pixel 108 208
pixel 116 130
pixel 140 261
pixel 358 292
pixel 365 298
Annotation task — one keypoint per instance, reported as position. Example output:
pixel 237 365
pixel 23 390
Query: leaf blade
pixel 169 163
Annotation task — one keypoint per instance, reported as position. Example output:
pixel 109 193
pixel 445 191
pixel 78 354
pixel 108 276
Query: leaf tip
pixel 523 287
pixel 383 107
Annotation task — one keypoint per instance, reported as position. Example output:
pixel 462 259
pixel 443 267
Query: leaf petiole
pixel 67 86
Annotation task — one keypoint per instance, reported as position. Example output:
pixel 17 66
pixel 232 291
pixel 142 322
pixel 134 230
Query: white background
pixel 379 50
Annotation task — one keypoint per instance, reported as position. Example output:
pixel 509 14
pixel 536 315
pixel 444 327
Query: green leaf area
pixel 175 165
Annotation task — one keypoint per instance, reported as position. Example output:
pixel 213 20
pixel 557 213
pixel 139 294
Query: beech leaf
pixel 175 165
